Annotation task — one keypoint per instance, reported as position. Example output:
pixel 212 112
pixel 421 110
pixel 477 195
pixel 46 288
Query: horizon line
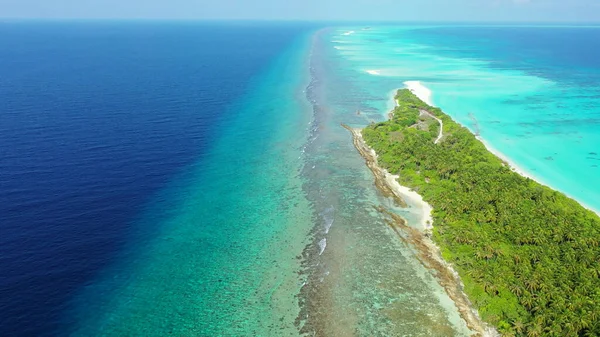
pixel 333 21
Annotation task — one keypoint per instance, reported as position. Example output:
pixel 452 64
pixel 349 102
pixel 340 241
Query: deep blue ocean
pixel 97 122
pixel 192 179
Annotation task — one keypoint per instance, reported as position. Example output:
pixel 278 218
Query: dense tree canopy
pixel 528 255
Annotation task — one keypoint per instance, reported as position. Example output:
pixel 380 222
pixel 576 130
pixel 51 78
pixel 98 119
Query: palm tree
pixel 527 300
pixel 515 289
pixel 534 331
pixel 490 288
pixel 532 285
pixel 517 259
pixel 518 326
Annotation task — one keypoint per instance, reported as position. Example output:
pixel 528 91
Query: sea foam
pixel 322 245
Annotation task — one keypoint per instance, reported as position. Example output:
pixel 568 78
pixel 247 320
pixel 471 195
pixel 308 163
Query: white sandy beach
pixel 424 209
pixel 430 253
pixel 425 94
pixel 411 197
pixel 421 91
pixel 517 169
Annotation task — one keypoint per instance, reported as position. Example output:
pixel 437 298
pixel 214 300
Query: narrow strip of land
pixel 428 253
pixel 527 255
pixel 424 112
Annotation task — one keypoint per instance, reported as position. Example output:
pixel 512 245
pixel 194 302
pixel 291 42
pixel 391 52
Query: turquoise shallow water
pixel 149 177
pixel 274 232
pixel 224 261
pixel 230 201
pixel 363 280
pixel 532 93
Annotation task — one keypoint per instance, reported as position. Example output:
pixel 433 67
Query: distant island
pixel 528 256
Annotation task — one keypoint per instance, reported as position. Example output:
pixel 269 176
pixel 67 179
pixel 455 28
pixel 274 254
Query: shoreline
pixel 428 252
pixel 425 94
pixel 519 170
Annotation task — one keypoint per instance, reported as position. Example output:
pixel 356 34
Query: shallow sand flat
pixel 428 253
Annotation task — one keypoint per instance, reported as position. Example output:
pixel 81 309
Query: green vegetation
pixel 528 255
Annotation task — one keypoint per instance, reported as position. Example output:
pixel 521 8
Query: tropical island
pixel 528 256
